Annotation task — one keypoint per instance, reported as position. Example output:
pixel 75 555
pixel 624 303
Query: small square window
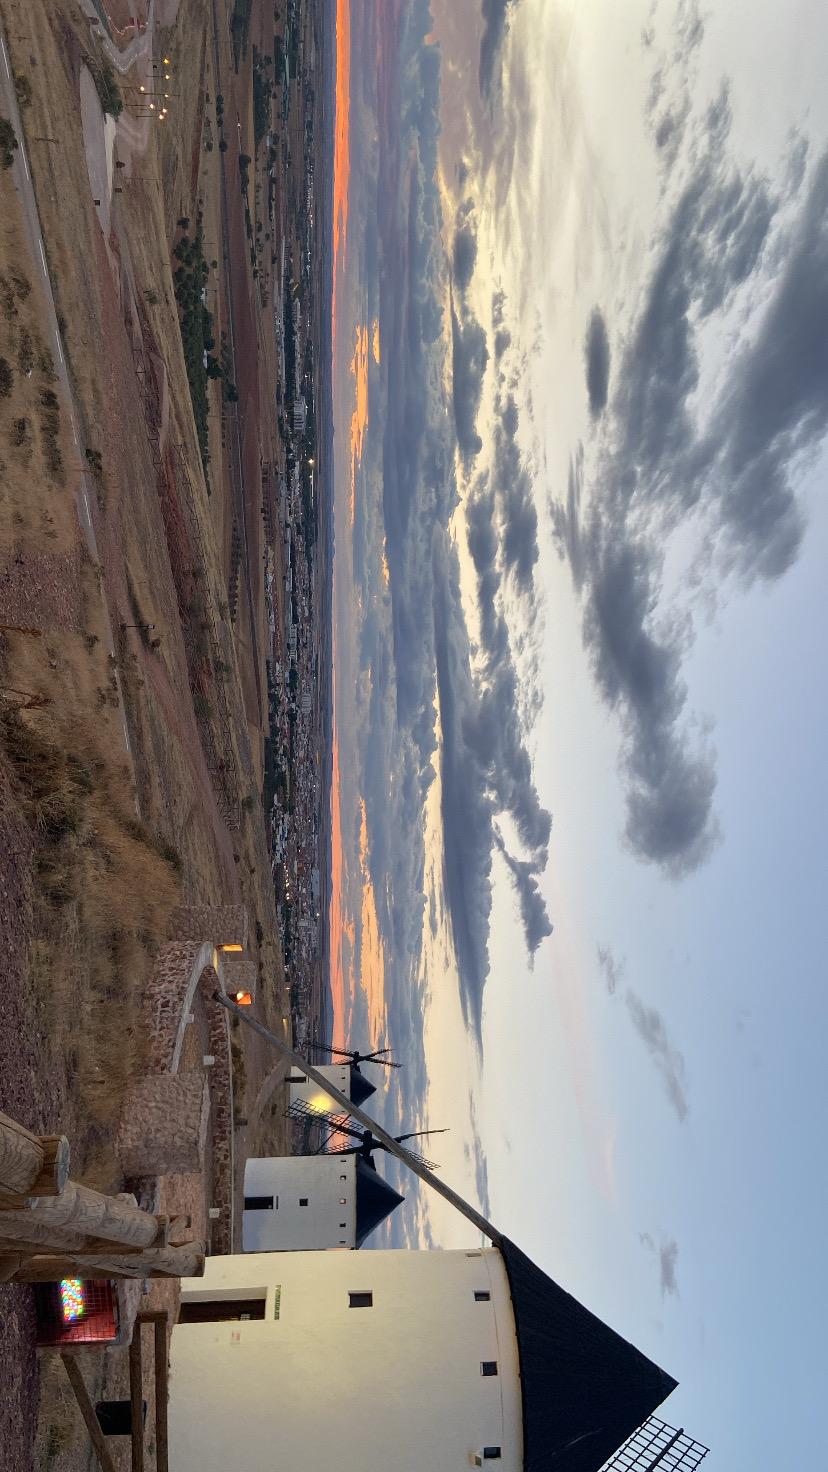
pixel 342 1201
pixel 343 1178
pixel 482 1295
pixel 491 1454
pixel 360 1300
pixel 488 1367
pixel 303 1200
pixel 342 1225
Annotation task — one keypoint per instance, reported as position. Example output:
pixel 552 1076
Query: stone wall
pixel 221 1119
pixel 226 925
pixel 164 1125
pixel 238 973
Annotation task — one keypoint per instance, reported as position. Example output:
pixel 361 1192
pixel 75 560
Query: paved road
pixel 22 178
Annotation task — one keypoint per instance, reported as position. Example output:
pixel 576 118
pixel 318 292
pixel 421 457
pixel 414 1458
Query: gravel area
pixel 42 589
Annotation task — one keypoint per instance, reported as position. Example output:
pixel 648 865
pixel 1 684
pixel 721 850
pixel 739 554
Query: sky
pixel 579 801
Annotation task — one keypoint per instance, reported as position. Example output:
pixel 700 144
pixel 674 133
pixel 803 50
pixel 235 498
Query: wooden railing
pixel 53 1228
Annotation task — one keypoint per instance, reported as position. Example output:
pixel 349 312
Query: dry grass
pixel 105 893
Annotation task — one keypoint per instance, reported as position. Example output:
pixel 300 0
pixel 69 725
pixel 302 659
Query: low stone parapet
pixel 223 925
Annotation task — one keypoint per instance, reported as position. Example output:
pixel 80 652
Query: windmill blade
pixel 418 1135
pixel 377 1058
pixel 305 1113
pixel 332 1052
pixel 412 1155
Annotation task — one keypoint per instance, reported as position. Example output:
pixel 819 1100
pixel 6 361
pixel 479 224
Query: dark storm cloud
pixel 415 654
pixel 513 486
pixel 653 465
pixel 612 970
pixel 469 356
pixel 464 247
pixel 533 911
pixel 496 15
pixel 666 1254
pixel 649 1024
pixel 597 360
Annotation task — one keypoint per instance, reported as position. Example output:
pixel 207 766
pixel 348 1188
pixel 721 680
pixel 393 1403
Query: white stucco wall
pixel 326 1182
pixel 397 1385
pixel 310 1093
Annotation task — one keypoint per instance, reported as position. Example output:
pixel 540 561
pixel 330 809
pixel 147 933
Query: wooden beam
pixel 91 1214
pixel 392 1146
pixel 160 1262
pixel 136 1398
pixel 87 1410
pixel 31 1165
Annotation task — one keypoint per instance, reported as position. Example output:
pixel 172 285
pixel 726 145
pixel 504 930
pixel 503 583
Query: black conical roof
pixel 375 1200
pixel 584 1389
pixel 361 1087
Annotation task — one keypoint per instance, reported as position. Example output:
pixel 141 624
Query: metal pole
pixel 382 1135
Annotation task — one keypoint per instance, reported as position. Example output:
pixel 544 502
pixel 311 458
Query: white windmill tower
pixel 344 1071
pixel 420 1361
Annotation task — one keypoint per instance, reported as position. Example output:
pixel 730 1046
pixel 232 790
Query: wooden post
pixel 160 1322
pixel 31 1165
pixel 392 1146
pixel 161 1262
pixel 136 1398
pixel 87 1410
pixel 113 1218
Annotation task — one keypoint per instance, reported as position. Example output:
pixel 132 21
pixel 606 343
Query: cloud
pixel 495 25
pixel 597 361
pixel 658 459
pixel 486 771
pixel 666 1254
pixel 534 915
pixel 469 356
pixel 612 970
pixel 464 248
pixel 649 1024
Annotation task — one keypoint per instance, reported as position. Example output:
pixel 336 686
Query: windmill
pixel 344 1069
pixel 425 1318
pixel 379 1055
pixel 333 1125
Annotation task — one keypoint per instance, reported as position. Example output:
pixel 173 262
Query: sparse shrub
pixel 23 88
pixel 6 378
pixel 25 353
pixel 46 364
pixel 22 285
pixel 8 143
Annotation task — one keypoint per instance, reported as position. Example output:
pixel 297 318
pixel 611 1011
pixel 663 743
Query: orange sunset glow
pixel 371 952
pixel 359 417
pixel 375 341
